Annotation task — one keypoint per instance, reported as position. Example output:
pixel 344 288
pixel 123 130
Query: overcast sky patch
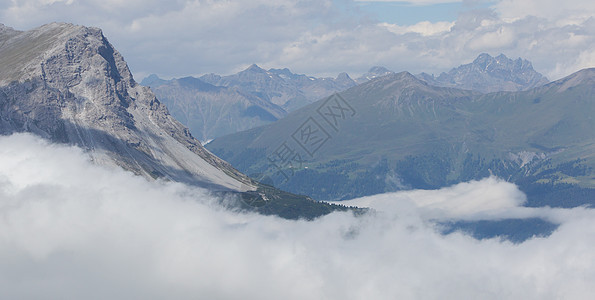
pixel 324 38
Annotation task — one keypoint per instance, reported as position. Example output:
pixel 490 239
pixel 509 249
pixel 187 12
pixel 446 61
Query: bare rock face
pixel 68 84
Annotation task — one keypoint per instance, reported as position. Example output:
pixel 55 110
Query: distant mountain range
pixel 490 74
pixel 214 105
pixel 281 86
pixel 68 84
pixel 398 132
pixel 485 74
pixel 212 111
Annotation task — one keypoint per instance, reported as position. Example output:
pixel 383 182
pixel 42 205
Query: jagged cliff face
pixel 68 84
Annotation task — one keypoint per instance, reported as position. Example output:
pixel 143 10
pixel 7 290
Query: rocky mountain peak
pixel 490 74
pixel 4 28
pixel 403 77
pixel 254 68
pixel 67 83
pixel 343 78
pixel 485 59
pixel 376 71
pixel 502 63
pixel 152 80
pixel 285 72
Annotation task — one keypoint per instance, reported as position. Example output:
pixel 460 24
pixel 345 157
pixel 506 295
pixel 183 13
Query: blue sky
pixel 325 37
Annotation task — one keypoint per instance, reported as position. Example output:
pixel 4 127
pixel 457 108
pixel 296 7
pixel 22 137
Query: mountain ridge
pixel 490 74
pixel 249 98
pixel 421 136
pixel 69 85
pixel 485 74
pixel 280 86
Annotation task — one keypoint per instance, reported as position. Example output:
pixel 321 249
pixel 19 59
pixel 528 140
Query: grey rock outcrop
pixel 68 84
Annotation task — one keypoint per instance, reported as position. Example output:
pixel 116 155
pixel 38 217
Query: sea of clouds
pixel 72 230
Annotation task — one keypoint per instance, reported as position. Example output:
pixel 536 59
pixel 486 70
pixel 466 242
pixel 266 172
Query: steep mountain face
pixel 490 74
pixel 280 86
pixel 397 132
pixel 212 111
pixel 68 84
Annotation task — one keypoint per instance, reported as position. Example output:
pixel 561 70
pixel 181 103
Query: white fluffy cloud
pixel 183 37
pixel 73 230
pixel 568 12
pixel 462 200
pixel 424 28
pixel 414 2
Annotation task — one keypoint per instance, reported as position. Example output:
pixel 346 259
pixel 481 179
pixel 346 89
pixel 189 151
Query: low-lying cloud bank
pixel 73 230
pixel 461 200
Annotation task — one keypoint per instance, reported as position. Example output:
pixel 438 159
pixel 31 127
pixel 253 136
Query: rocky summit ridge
pixel 490 74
